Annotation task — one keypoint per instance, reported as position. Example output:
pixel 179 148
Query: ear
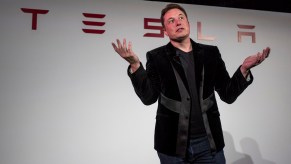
pixel 165 32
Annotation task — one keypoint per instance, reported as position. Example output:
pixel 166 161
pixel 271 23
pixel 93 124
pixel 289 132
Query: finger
pixel 124 44
pixel 258 58
pixel 265 53
pixel 114 46
pixel 129 47
pixel 268 51
pixel 118 43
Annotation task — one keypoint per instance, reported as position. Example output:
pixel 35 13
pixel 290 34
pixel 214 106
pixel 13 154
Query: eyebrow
pixel 181 14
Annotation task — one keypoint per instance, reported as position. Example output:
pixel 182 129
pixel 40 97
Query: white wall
pixel 65 97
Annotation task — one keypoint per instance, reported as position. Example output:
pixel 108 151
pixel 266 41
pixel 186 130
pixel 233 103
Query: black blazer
pixel 159 80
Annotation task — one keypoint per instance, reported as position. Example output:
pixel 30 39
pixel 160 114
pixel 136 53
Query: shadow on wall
pixel 251 152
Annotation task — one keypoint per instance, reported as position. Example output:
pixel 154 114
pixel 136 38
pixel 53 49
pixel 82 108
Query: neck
pixel 184 45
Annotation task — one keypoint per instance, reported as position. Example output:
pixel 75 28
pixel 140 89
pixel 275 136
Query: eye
pixel 181 17
pixel 170 21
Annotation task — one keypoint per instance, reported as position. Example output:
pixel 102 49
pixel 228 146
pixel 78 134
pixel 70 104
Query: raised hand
pixel 125 51
pixel 254 60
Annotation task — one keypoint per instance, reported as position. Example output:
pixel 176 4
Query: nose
pixel 178 22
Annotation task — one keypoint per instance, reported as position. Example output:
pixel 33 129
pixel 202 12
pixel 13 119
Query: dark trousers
pixel 198 152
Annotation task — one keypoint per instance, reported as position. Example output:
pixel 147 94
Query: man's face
pixel 176 24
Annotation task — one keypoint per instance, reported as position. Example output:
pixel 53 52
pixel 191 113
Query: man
pixel 183 76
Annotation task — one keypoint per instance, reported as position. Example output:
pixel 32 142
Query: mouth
pixel 179 29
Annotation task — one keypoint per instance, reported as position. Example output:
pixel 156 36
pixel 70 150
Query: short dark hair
pixel 169 7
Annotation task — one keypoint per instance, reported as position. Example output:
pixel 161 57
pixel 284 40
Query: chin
pixel 180 39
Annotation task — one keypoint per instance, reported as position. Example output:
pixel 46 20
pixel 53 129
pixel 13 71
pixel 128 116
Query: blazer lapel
pixel 199 58
pixel 198 53
pixel 175 60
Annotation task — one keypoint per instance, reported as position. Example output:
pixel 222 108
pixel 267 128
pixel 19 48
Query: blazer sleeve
pixel 229 88
pixel 145 82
